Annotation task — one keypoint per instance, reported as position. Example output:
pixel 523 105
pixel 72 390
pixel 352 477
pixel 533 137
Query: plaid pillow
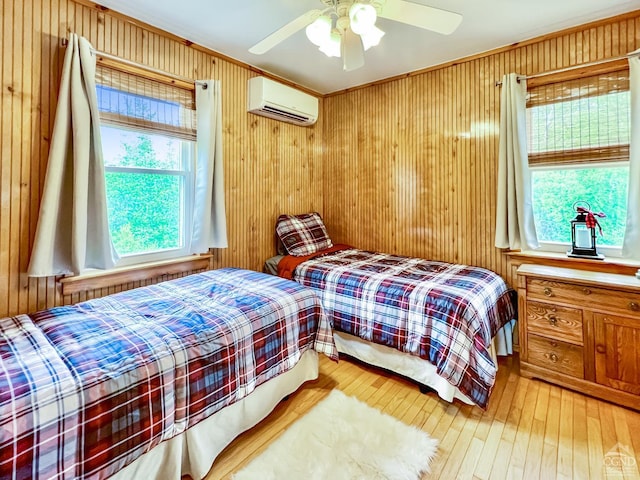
pixel 303 234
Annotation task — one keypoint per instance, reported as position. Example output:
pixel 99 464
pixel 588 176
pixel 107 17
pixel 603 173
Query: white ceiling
pixel 231 27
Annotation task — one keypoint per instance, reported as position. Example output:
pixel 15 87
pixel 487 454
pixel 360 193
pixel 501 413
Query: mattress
pixel 87 389
pixel 446 314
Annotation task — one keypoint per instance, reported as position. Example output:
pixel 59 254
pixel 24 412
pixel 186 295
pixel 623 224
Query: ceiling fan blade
pixel 352 51
pixel 422 16
pixel 285 32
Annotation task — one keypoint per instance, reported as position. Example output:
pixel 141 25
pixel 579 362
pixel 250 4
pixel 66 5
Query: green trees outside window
pixel 145 190
pixel 556 190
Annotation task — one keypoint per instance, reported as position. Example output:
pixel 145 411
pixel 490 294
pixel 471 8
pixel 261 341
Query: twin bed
pixel 430 321
pixel 155 382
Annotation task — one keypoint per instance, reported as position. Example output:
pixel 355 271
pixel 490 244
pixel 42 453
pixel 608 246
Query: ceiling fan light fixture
pixel 332 46
pixel 319 31
pixel 371 38
pixel 362 17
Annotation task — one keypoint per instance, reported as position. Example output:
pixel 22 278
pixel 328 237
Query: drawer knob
pixel 634 306
pixel 553 357
pixel 586 291
pixel 601 349
pixel 548 292
pixel 553 320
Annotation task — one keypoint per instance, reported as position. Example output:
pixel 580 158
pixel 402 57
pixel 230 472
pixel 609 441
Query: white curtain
pixel 515 228
pixel 73 229
pixel 631 243
pixel 209 229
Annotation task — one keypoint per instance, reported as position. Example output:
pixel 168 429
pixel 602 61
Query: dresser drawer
pixel 555 355
pixel 555 322
pixel 584 296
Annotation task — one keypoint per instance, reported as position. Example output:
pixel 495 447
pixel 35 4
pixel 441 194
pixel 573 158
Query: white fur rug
pixel 343 438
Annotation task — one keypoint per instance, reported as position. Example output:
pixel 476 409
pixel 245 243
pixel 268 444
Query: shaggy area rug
pixel 343 438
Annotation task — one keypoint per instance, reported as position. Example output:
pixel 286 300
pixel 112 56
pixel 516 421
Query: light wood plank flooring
pixel 531 429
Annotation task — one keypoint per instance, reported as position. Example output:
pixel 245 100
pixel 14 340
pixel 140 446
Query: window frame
pixel 575 159
pixel 188 158
pixel 563 247
pixel 187 176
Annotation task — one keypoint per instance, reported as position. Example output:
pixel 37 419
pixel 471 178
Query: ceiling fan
pixel 346 28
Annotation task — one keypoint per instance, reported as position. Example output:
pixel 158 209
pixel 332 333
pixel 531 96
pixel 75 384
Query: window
pixel 578 142
pixel 148 141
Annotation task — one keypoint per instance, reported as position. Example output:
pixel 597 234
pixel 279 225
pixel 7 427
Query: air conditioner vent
pixel 281 102
pixel 293 116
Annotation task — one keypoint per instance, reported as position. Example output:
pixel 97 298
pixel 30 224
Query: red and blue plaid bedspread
pixel 444 313
pixel 88 388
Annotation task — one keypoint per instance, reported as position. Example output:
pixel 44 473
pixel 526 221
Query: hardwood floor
pixel 531 429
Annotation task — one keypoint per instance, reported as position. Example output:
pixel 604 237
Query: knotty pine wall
pixel 411 164
pixel 408 165
pixel 270 167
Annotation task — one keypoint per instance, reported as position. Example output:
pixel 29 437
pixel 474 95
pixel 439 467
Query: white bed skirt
pixel 194 451
pixel 414 367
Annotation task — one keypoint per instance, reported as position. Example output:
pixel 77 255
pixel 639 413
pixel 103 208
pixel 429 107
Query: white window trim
pixel 188 155
pixel 562 247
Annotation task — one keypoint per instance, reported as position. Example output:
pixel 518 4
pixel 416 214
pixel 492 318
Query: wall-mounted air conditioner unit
pixel 275 100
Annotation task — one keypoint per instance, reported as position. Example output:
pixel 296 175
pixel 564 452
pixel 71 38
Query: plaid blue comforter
pixel 86 389
pixel 444 313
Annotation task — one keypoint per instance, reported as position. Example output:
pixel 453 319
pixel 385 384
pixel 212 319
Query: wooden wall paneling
pixel 491 120
pixel 481 211
pixel 274 171
pixel 453 154
pixel 342 150
pixel 35 142
pixel 423 130
pixel 354 141
pixel 439 161
pixel 408 165
pixel 426 171
pixel 381 156
pixel 394 210
pixel 390 110
pixel 465 193
pixel 5 148
pixel 444 214
pixel 428 219
pixel 52 75
pixel 17 95
pixel 238 163
pixel 401 185
pixel 435 162
pixel 470 173
pixel 445 163
pixel 473 215
pixel 374 188
pixel 488 164
pixel 26 124
pixel 407 184
pixel 267 173
pixel 408 155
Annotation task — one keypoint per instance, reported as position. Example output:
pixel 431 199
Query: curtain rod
pixel 144 67
pixel 574 67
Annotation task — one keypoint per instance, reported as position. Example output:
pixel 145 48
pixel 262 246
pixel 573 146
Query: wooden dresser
pixel 581 330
